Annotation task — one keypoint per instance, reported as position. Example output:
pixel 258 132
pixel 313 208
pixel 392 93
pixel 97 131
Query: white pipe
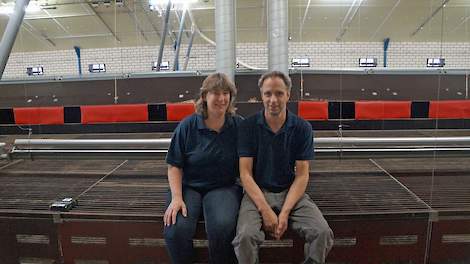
pixel 392 141
pixel 210 41
pixel 165 142
pixel 278 49
pixel 225 37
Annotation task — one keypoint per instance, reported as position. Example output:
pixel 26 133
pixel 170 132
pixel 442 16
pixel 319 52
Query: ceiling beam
pixel 304 18
pixel 39 35
pixel 102 22
pixel 149 19
pixel 420 27
pixel 348 18
pixel 57 22
pixel 55 16
pixel 384 21
pixel 133 18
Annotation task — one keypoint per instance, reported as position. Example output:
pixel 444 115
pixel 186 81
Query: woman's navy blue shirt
pixel 208 159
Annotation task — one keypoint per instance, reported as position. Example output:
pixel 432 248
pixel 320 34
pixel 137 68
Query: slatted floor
pixel 442 182
pixel 351 193
pixel 338 186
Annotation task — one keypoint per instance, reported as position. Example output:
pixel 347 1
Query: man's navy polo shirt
pixel 209 159
pixel 275 154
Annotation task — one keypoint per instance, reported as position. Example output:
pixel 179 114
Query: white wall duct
pixel 225 37
pixel 278 49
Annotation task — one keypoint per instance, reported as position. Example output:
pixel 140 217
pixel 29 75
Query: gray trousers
pixel 305 219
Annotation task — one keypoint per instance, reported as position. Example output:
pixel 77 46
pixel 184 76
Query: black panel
pixel 157 112
pixel 72 114
pixel 247 109
pixel 407 124
pixel 332 87
pixel 419 109
pixel 7 116
pixel 347 108
pixel 409 87
pixel 151 127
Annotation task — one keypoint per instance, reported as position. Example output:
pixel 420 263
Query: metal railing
pixel 324 147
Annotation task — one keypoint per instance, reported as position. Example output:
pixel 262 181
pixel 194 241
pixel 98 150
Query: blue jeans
pixel 220 207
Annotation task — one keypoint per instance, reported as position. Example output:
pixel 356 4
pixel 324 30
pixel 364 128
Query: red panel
pixel 450 250
pixel 117 249
pixel 377 110
pixel 368 245
pixel 449 109
pixel 11 250
pixel 176 112
pixel 114 113
pixel 39 115
pixel 313 110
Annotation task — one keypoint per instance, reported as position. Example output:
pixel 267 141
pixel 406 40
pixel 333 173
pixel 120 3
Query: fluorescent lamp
pixel 300 62
pixel 435 62
pixel 177 4
pixel 164 66
pixel 39 70
pixel 95 68
pixel 368 62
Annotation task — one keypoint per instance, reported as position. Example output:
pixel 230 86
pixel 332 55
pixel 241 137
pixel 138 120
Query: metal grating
pixel 456 238
pixel 58 167
pixel 353 193
pixel 139 187
pixel 32 239
pixel 27 260
pixel 345 242
pixel 34 185
pixel 398 240
pixel 147 242
pixel 443 193
pixel 143 195
pixel 88 240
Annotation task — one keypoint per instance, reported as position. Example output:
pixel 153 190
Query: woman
pixel 202 173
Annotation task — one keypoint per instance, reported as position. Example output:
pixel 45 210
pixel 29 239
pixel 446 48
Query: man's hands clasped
pixel 275 225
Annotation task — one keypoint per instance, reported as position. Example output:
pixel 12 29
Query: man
pixel 275 147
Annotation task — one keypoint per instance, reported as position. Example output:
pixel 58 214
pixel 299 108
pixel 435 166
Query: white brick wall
pixel 321 54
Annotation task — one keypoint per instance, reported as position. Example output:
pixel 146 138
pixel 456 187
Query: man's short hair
pixel 276 74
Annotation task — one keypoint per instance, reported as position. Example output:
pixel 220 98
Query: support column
pixel 278 48
pixel 225 37
pixel 176 64
pixel 164 33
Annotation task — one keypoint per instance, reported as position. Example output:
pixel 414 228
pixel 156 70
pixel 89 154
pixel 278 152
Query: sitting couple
pixel 213 149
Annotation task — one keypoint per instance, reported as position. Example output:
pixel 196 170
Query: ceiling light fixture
pixel 177 4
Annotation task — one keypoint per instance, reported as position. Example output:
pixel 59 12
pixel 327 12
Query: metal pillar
pixel 176 65
pixel 10 33
pixel 225 37
pixel 165 31
pixel 278 57
pixel 190 45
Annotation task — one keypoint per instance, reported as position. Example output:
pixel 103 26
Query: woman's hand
pixel 170 214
